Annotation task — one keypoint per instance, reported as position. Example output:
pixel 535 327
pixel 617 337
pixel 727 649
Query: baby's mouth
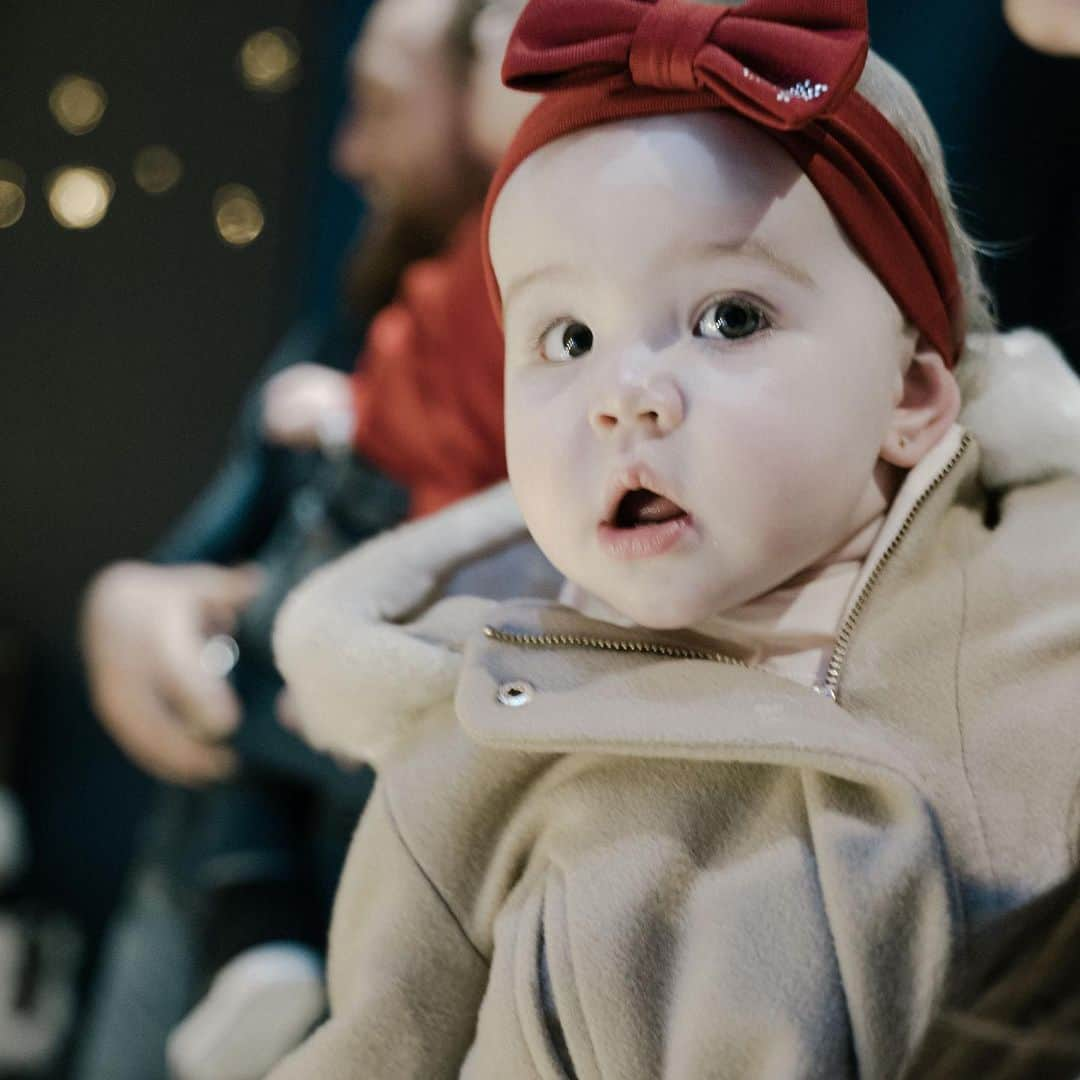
pixel 643 524
pixel 641 508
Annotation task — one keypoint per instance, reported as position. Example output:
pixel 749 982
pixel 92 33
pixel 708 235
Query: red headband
pixel 790 66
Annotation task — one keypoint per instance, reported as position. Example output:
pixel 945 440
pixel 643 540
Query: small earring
pixel 903 442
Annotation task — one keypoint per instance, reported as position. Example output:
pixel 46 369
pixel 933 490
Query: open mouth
pixel 642 523
pixel 641 508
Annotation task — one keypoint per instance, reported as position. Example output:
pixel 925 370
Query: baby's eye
pixel 566 340
pixel 730 320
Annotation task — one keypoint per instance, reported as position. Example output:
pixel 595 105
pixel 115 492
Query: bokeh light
pixel 79 196
pixel 157 169
pixel 270 60
pixel 238 216
pixel 78 104
pixel 12 193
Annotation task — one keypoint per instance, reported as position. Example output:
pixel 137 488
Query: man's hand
pixel 308 406
pixel 144 629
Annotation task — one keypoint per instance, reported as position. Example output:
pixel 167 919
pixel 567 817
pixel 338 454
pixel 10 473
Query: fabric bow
pixel 781 63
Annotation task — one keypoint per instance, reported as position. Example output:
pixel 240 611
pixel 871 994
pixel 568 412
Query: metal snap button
pixel 515 694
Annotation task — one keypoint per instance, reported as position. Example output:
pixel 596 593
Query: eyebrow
pixel 753 248
pixel 524 282
pixel 757 250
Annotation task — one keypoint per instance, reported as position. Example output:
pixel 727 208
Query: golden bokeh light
pixel 12 193
pixel 238 217
pixel 78 103
pixel 157 169
pixel 270 60
pixel 79 196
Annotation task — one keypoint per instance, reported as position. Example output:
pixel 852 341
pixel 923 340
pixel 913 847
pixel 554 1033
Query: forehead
pixel 660 183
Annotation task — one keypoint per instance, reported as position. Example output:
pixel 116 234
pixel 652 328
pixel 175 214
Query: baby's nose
pixel 653 407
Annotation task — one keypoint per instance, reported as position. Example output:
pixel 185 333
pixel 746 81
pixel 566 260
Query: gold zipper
pixel 580 641
pixel 828 689
pixel 831 688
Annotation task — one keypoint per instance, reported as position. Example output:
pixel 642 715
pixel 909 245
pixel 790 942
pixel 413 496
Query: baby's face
pixel 701 373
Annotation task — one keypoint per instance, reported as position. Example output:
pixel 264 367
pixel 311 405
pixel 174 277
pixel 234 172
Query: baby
pixel 805 719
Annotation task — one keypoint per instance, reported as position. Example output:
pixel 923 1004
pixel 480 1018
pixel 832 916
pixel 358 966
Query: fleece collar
pixel 365 665
pixel 1022 403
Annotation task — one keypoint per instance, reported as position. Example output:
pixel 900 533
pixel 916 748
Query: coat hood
pixel 366 656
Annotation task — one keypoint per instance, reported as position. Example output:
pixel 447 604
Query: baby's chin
pixel 659 608
pixel 661 596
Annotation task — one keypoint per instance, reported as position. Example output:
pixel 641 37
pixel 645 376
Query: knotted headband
pixel 790 66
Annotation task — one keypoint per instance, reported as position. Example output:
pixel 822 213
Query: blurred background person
pixel 401 144
pixel 426 405
pixel 157 179
pixel 146 626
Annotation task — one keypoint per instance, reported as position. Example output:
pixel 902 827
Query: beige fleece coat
pixel 608 853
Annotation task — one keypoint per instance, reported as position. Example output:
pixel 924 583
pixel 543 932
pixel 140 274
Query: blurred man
pixel 146 625
pixel 153 632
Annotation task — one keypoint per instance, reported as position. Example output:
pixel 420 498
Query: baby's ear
pixel 928 407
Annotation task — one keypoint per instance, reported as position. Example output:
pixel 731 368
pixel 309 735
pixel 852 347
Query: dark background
pixel 127 346
pixel 125 349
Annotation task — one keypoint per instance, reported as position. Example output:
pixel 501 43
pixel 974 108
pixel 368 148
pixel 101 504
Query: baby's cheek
pixel 766 479
pixel 522 428
pixel 529 457
pixel 790 432
pixel 541 411
pixel 755 447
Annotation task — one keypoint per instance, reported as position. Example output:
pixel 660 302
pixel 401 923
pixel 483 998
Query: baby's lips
pixel 646 541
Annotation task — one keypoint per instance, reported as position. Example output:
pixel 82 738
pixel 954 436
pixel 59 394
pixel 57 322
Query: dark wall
pixel 1008 121
pixel 125 348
